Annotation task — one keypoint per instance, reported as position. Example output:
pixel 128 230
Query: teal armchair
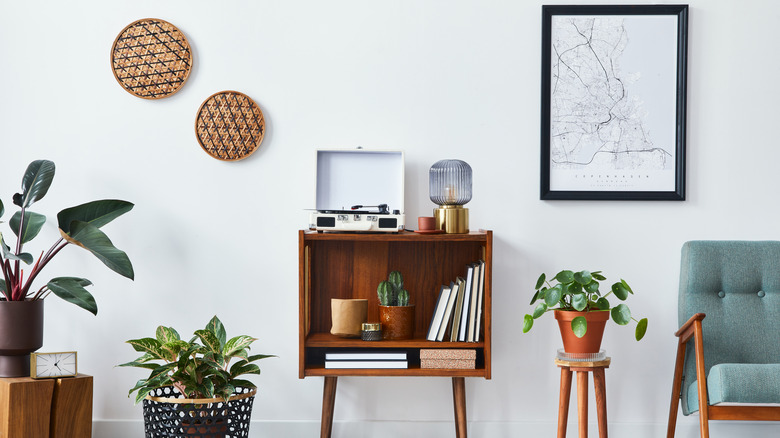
pixel 728 354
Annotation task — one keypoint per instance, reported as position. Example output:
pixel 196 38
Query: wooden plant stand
pixel 599 383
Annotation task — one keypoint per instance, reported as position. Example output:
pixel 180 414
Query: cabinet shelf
pixel 351 265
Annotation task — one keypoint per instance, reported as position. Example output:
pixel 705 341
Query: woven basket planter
pixel 167 414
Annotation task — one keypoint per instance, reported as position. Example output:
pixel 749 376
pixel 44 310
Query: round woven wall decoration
pixel 230 126
pixel 151 58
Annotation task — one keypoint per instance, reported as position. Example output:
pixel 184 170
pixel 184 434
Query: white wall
pixel 437 78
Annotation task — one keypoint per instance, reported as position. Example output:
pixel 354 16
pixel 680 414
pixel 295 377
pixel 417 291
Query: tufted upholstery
pixel 737 285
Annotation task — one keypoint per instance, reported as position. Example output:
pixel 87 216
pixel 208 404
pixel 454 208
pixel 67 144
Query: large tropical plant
pixel 79 226
pixel 196 370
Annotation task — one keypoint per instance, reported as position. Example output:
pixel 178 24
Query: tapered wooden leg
pixel 582 403
pixel 459 400
pixel 328 403
pixel 600 387
pixel 701 380
pixel 676 386
pixel 563 401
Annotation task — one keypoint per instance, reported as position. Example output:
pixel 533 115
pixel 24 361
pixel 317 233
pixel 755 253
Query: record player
pixel 348 178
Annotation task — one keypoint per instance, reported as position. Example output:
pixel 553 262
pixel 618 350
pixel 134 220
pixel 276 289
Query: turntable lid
pixel 350 177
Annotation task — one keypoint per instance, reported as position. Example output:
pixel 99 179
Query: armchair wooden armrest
pixel 686 330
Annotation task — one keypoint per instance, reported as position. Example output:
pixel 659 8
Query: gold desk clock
pixel 53 365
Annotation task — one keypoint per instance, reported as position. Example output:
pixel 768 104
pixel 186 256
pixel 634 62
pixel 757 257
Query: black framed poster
pixel 613 102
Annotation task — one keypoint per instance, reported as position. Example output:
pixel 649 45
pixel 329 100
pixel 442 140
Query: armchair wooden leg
pixel 676 387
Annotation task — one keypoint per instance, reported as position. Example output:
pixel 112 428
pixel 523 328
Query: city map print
pixel 612 125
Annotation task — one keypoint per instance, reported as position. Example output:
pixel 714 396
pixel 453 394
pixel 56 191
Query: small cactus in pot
pixel 395 312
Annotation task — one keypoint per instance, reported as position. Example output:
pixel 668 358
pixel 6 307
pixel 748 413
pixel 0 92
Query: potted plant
pixel 581 309
pixel 395 312
pixel 193 388
pixel 21 305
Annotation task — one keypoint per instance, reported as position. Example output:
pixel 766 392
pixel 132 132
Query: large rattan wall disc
pixel 230 126
pixel 151 58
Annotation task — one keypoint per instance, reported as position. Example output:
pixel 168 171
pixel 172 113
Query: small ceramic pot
pixel 591 342
pixel 397 321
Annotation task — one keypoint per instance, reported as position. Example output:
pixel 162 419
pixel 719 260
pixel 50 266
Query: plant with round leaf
pixel 79 225
pixel 196 370
pixel 391 292
pixel 580 292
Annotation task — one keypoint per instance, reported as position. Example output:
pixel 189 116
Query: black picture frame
pixel 583 134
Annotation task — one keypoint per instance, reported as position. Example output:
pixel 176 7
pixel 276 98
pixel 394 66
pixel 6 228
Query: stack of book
pixel 366 359
pixel 456 359
pixel 457 316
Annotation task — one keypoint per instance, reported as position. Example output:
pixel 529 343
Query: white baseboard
pixel 477 429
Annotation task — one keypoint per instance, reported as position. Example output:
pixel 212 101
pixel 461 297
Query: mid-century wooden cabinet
pixel 351 265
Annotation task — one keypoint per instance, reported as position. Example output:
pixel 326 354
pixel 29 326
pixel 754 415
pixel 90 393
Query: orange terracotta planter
pixel 397 321
pixel 591 342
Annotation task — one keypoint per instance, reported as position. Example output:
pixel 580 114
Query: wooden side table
pixel 46 408
pixel 599 383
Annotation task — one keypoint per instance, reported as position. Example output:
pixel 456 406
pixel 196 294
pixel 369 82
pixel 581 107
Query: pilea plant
pixel 79 225
pixel 196 370
pixel 579 292
pixel 391 292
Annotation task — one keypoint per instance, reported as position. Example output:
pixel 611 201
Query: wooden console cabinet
pixel 350 265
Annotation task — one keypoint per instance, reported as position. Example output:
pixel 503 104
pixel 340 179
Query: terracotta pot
pixel 21 326
pixel 397 321
pixel 591 342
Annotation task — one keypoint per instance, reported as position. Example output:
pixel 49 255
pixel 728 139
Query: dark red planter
pixel 21 333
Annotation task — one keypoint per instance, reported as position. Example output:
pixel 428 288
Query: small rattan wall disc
pixel 151 58
pixel 230 126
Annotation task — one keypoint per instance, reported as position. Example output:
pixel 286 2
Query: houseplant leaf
pixel 97 213
pixel 9 255
pixel 150 346
pixel 215 326
pixel 539 310
pixel 236 344
pixel 583 277
pixel 540 281
pixel 641 329
pixel 620 291
pixel 167 334
pixel 528 322
pixel 579 302
pixel 579 326
pixel 209 340
pixel 553 295
pixel 95 241
pixel 565 276
pixel 35 182
pixel 72 290
pixel 621 314
pixel 33 222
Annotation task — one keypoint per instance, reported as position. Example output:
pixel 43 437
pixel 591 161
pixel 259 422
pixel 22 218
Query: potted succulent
pixel 395 312
pixel 581 309
pixel 193 388
pixel 21 305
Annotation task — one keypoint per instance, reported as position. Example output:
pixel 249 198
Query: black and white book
pixel 438 313
pixel 357 364
pixel 464 317
pixel 366 355
pixel 445 322
pixel 473 304
pixel 480 298
pixel 458 310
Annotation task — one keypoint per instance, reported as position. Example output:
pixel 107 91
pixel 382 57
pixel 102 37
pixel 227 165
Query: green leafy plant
pixel 79 225
pixel 197 370
pixel 391 292
pixel 579 292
